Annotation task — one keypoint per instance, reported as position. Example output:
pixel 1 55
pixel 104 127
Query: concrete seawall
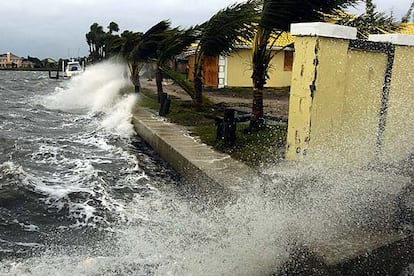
pixel 206 170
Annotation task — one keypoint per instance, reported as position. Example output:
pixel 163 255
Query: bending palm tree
pixel 276 17
pixel 124 46
pixel 175 41
pixel 220 35
pixel 138 48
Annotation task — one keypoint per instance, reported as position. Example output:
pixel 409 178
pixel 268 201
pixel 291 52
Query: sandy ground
pixel 275 105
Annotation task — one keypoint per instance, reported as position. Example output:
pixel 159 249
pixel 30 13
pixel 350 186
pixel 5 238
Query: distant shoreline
pixel 30 69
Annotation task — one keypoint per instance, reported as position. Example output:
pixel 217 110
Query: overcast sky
pixel 57 28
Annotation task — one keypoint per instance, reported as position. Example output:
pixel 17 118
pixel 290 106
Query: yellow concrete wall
pixel 399 128
pixel 340 122
pixel 300 100
pixel 327 105
pixel 362 104
pixel 239 70
pixel 351 101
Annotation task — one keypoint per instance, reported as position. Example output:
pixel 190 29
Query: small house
pixel 235 70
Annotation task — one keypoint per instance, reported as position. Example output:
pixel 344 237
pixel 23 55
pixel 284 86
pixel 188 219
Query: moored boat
pixel 73 68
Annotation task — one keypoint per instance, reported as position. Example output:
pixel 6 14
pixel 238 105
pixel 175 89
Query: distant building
pixel 49 63
pixel 49 60
pixel 9 60
pixel 28 64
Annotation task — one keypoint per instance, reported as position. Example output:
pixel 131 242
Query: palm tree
pixel 100 42
pixel 175 41
pixel 220 34
pixel 89 41
pixel 96 40
pixel 275 18
pixel 111 44
pixel 113 27
pixel 139 48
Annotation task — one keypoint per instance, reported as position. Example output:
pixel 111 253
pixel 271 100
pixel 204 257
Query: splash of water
pixel 300 204
pixel 118 119
pixel 97 90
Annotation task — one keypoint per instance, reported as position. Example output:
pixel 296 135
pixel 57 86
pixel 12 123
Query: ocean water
pixel 82 194
pixel 71 165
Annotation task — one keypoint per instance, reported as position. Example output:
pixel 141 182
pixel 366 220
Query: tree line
pixel 256 22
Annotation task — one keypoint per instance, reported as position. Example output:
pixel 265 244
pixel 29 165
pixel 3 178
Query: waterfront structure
pixel 9 60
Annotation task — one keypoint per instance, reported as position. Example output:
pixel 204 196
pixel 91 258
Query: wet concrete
pixel 394 258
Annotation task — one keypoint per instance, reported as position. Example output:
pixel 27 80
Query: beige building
pixel 9 60
pixel 236 69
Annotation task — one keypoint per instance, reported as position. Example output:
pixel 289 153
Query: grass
pixel 257 148
pixel 253 149
pixel 247 91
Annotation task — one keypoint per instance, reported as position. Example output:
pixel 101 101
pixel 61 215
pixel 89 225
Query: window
pixel 288 61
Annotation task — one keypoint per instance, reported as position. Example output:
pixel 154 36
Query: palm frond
pixel 176 40
pixel 279 14
pixel 408 14
pixel 227 27
pixel 146 47
pixel 366 24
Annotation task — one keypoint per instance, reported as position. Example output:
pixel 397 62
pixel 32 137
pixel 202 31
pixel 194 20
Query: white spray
pixel 97 90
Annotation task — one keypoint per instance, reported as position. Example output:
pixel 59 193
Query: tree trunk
pixel 198 80
pixel 136 82
pixel 137 88
pixel 158 80
pixel 257 119
pixel 198 89
pixel 259 81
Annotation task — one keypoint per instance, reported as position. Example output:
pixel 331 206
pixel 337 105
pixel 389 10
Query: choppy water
pixel 81 194
pixel 70 164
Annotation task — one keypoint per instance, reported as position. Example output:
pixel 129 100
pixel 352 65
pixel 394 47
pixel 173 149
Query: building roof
pixel 407 28
pixel 279 41
pixel 284 40
pixel 11 55
pixel 49 60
